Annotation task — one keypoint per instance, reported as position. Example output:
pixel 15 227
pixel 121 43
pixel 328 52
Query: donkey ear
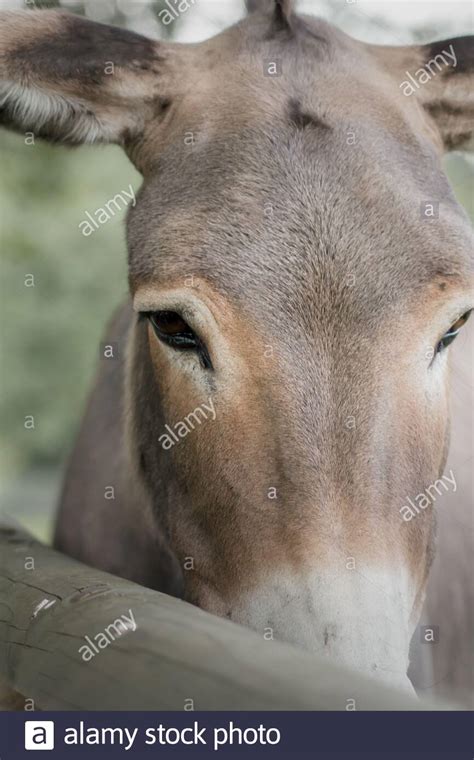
pixel 440 76
pixel 75 81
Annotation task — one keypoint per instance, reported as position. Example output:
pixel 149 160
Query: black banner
pixel 319 735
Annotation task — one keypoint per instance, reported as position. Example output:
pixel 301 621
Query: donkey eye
pixel 172 329
pixel 453 332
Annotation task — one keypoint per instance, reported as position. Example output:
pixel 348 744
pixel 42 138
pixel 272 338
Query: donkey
pixel 297 260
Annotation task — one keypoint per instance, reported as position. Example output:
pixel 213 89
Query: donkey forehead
pixel 287 169
pixel 293 212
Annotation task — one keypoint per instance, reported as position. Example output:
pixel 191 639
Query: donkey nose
pixel 360 620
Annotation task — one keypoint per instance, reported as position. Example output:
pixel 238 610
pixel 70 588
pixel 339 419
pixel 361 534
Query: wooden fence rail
pixel 75 638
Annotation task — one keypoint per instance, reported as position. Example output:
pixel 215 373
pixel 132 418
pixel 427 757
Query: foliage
pixel 51 331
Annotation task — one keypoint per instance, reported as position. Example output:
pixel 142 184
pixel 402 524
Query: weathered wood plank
pixel 177 657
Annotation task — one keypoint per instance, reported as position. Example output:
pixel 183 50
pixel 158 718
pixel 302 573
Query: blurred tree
pixel 120 12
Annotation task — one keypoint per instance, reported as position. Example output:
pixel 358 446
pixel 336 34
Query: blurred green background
pixel 50 332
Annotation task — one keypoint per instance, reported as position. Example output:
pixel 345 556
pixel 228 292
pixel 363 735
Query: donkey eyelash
pixel 453 332
pixel 181 336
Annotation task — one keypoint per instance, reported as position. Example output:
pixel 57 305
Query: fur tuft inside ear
pixel 282 10
pixel 440 78
pixel 282 13
pixel 75 81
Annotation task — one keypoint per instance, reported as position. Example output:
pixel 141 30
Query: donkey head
pixel 298 265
